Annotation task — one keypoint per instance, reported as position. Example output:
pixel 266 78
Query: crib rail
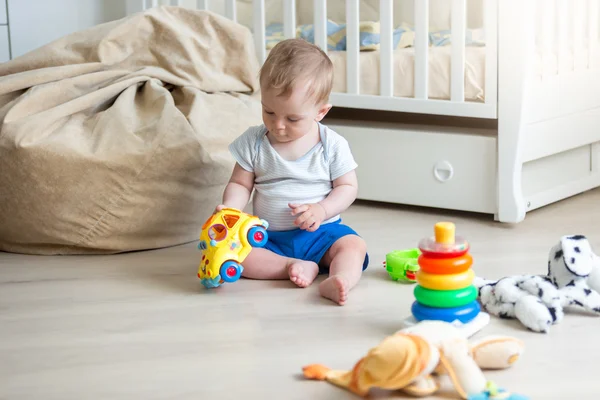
pixel 566 41
pixel 421 103
pixel 386 99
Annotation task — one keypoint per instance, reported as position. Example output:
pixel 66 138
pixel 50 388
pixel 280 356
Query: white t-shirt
pixel 278 181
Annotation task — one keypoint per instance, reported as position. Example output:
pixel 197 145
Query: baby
pixel 303 176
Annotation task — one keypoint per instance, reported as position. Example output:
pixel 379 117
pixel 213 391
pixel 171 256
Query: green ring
pixel 445 298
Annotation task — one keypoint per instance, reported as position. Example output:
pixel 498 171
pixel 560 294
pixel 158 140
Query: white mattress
pixel 439 72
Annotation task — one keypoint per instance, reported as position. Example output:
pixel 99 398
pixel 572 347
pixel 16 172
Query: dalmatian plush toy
pixel 539 301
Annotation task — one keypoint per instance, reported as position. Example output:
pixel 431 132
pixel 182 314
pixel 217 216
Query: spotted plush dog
pixel 539 301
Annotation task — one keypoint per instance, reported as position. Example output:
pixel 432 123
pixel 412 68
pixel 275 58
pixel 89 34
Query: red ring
pixel 445 266
pixel 438 254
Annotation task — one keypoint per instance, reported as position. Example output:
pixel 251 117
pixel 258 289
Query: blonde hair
pixel 296 60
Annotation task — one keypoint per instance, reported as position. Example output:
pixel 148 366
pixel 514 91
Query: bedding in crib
pixel 369 36
pixel 439 61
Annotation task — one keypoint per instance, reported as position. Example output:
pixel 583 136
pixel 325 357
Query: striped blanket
pixel 369 36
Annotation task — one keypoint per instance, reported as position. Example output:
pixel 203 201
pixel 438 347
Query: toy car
pixel 402 265
pixel 226 239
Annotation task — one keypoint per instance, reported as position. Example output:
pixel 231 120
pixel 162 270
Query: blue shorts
pixel 309 246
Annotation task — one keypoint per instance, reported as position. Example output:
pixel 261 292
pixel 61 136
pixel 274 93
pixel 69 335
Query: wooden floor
pixel 139 325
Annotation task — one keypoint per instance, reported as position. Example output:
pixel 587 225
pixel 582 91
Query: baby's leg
pixel 345 260
pixel 264 264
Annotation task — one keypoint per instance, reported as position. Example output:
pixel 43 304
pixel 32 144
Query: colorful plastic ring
pixel 402 265
pixel 445 282
pixel 445 266
pixel 430 248
pixel 463 314
pixel 445 298
pixel 437 254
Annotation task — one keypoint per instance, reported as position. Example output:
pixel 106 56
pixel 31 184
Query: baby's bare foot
pixel 303 273
pixel 335 288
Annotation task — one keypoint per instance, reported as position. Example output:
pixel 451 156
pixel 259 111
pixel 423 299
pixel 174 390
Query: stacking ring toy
pixel 445 298
pixel 445 282
pixel 445 266
pixel 463 314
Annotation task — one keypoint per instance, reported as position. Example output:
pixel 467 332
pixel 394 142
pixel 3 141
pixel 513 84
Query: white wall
pixel 34 23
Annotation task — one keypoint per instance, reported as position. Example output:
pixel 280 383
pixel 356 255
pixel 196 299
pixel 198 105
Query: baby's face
pixel 290 118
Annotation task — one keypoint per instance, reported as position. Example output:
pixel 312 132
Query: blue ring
pixel 463 314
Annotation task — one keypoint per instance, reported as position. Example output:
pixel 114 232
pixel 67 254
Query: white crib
pixel 522 111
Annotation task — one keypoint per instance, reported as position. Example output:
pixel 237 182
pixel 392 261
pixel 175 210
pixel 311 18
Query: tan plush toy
pixel 414 359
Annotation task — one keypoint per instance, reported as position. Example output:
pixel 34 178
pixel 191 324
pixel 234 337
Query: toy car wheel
pixel 231 271
pixel 258 236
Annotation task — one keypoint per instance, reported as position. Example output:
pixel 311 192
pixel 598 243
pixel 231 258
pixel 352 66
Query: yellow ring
pixel 445 282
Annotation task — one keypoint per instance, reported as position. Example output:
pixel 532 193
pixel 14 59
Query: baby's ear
pixel 323 110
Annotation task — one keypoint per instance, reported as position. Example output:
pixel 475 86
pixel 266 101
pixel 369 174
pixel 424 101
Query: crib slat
pixel 258 18
pixel 202 4
pixel 289 18
pixel 230 10
pixel 258 23
pixel 421 48
pixel 386 16
pixel 491 51
pixel 593 15
pixel 352 47
pixel 458 28
pixel 320 23
pixel 562 13
pixel 153 3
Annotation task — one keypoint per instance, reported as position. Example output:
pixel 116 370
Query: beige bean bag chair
pixel 115 138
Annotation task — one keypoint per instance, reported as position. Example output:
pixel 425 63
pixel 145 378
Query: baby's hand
pixel 219 208
pixel 311 215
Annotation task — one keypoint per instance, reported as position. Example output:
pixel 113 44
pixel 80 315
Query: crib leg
pixel 514 62
pixel 511 204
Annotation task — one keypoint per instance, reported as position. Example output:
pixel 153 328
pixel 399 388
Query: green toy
pixel 402 265
pixel 445 298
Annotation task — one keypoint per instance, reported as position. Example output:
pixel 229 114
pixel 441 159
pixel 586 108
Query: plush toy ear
pixel 577 255
pixel 497 352
pixel 467 377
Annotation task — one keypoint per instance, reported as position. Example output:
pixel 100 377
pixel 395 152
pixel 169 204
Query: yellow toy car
pixel 226 239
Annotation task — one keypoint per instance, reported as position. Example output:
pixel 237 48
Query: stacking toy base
pixel 469 329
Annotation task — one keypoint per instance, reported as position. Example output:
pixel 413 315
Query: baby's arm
pixel 238 190
pixel 345 189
